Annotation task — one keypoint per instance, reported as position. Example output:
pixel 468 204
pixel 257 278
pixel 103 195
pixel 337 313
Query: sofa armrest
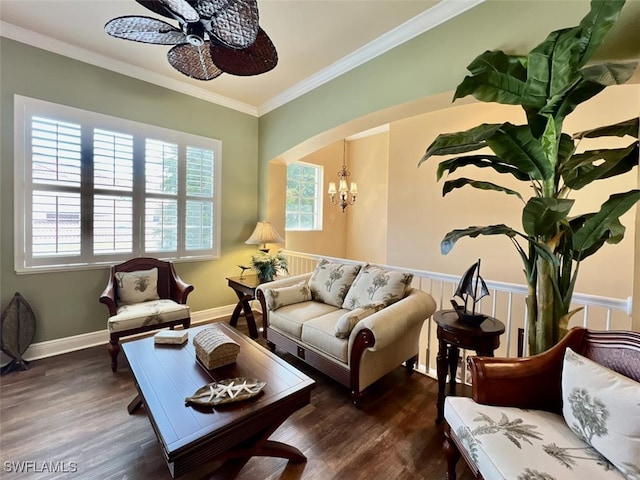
pixel 530 383
pixel 393 321
pixel 284 282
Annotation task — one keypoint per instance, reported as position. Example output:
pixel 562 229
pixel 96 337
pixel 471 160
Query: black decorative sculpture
pixel 17 330
pixel 471 287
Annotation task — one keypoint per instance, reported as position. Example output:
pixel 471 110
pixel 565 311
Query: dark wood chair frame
pixel 170 286
pixel 535 382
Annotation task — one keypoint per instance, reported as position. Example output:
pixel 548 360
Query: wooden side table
pixel 245 288
pixel 454 335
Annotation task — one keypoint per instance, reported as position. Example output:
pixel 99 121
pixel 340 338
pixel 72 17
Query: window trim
pixel 319 215
pixel 26 107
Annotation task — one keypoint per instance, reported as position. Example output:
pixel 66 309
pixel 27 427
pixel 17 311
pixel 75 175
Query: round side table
pixel 454 335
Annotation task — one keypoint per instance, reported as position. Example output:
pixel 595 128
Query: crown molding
pixel 44 42
pixel 438 14
pixel 441 12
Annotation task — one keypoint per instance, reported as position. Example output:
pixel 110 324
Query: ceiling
pixel 316 41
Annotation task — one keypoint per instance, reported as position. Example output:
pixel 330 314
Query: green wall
pixel 66 303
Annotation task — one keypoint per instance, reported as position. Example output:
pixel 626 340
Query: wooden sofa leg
pixel 411 364
pixel 451 453
pixel 114 350
pixel 357 398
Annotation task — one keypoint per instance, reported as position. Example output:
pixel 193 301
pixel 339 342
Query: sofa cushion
pixel 289 319
pixel 330 282
pixel 137 287
pixel 377 284
pixel 147 313
pixel 515 444
pixel 602 407
pixel 319 333
pixel 347 321
pixel 281 297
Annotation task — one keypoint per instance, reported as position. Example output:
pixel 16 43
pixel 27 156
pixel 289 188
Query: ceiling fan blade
pixel 258 58
pixel 178 9
pixel 233 23
pixel 145 30
pixel 194 61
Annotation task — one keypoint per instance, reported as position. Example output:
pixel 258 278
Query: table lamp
pixel 264 233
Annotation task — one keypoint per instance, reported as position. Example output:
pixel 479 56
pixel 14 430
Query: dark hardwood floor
pixel 68 415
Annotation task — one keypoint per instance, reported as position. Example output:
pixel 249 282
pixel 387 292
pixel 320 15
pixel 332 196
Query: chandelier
pixel 343 195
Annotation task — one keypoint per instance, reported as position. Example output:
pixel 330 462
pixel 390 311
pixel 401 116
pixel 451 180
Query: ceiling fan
pixel 214 36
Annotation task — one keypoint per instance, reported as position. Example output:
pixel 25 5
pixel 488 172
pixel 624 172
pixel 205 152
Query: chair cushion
pixel 147 313
pixel 281 297
pixel 330 282
pixel 375 284
pixel 602 407
pixel 512 443
pixel 319 333
pixel 137 287
pixel 347 321
pixel 289 319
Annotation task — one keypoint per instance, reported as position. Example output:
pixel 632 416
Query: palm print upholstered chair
pixel 143 294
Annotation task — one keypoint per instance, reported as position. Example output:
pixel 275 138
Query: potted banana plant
pixel 548 83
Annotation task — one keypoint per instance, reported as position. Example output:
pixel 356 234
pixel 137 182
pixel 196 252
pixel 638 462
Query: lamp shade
pixel 264 233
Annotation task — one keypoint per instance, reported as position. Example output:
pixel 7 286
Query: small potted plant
pixel 267 265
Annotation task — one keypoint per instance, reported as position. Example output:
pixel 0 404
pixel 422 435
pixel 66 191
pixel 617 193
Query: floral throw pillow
pixel 281 297
pixel 347 321
pixel 137 287
pixel 603 408
pixel 374 284
pixel 330 282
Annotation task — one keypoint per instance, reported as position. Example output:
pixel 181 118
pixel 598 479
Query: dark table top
pixel 166 374
pixel 448 320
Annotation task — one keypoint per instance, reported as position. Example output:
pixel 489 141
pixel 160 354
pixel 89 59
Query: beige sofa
pixel 354 323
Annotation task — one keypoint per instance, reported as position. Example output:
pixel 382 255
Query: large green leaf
pixel 604 222
pixel 608 74
pixel 551 67
pixel 566 148
pixel 595 26
pixel 540 216
pixel 496 77
pixel 461 182
pixel 453 236
pixel 614 234
pixel 628 127
pixel 585 168
pixel 515 145
pixel 539 248
pixel 480 161
pixel 460 142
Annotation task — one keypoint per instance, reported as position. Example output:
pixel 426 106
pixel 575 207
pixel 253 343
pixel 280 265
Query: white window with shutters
pixel 91 189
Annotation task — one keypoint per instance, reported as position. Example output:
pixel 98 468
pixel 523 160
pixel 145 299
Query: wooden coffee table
pixel 190 436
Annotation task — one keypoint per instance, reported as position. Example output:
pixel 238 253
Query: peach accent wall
pixel 367 223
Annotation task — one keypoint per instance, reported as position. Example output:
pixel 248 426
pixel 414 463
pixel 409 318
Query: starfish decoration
pixel 224 391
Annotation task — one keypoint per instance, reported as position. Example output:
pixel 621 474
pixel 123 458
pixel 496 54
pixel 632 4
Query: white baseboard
pixel 59 346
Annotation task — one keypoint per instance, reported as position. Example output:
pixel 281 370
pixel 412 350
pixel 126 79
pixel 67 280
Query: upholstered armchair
pixel 571 412
pixel 143 294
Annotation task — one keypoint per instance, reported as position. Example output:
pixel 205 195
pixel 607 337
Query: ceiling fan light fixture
pixel 215 36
